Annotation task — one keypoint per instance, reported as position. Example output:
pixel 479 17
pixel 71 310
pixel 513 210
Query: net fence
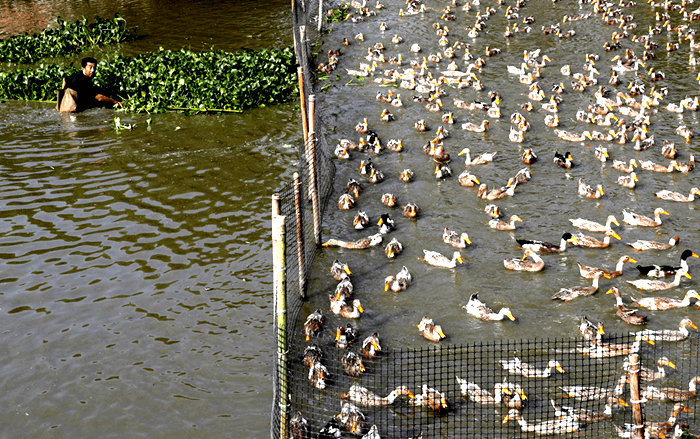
pixel 332 386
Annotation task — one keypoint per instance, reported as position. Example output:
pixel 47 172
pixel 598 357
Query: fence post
pixel 634 397
pixel 320 15
pixel 311 157
pixel 302 95
pixel 300 236
pixel 280 297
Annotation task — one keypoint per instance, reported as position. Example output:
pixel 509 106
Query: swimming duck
pixel 454 239
pixel 607 350
pixel 399 282
pixel 647 374
pixel 518 264
pixel 667 270
pixel 388 200
pixel 601 153
pixel 515 135
pixel 395 145
pixel 393 248
pixel 648 165
pixel 362 127
pixel 670 334
pixel 628 315
pixel 587 191
pixel 371 346
pixel 430 330
pixel 634 219
pixel 298 427
pixel 551 120
pixel 420 126
pixel 685 132
pixel 675 196
pixel 479 309
pixel 431 398
pixel 492 210
pixel 478 395
pixel 665 303
pixel 567 294
pixel 688 166
pixel 628 181
pixel 354 188
pixel 642 245
pixel 410 210
pixel 407 176
pixel 442 171
pixel 495 194
pixel 654 429
pixel 481 128
pixel 386 224
pixel 346 202
pixel 318 373
pixel 344 288
pixel 672 393
pixel 339 270
pixel 591 331
pixel 624 167
pixel 573 137
pixel 565 161
pixel 365 397
pixel 376 176
pixel 439 153
pixel 518 367
pixel 361 220
pixel 669 150
pixel 313 324
pixel 594 226
pixel 370 241
pixel 591 242
pixel 657 285
pixel 467 179
pixel 590 272
pixel 345 336
pixel 352 419
pixel 352 364
pixel 541 246
pixel 366 167
pixel 438 260
pixel 503 225
pixel 567 424
pixel 340 307
pixel 482 159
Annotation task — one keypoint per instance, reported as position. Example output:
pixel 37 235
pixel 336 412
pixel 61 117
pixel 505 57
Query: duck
pixel 523 176
pixel 439 153
pixel 438 260
pixel 478 395
pixel 688 166
pixel 667 270
pixel 298 427
pixel 365 397
pixel 389 200
pixel 442 171
pixel 672 393
pixel 635 219
pixel 313 324
pixel 430 330
pixel 495 194
pixel 590 272
pixel 376 176
pixel 516 136
pixel 431 398
pixel 678 197
pixel 647 374
pixel 493 211
pixel 346 202
pixel 601 153
pixel 669 334
pixel 318 373
pixel 648 165
pixel 628 315
pixel 386 224
pixel 624 167
pixel 628 181
pixel 642 245
pixel 528 156
pixel 366 167
pixel 518 367
pixel 551 120
pixel 585 415
pixel 354 188
pixel 482 159
pixel 658 285
pixel 564 161
pixel 503 225
pixel 361 220
pixel 567 294
pixel 393 248
pixel 399 282
pixel 666 303
pixel 593 226
pixel 352 419
pixel 524 264
pixel 407 175
pixel 371 346
pixel 654 429
pixel 468 179
pixel 395 145
pixel 344 288
pixel 352 363
pixel 345 336
pixel 479 309
pixel 410 210
pixel 587 191
pixel 607 350
pixel 370 241
pixel 573 137
pixel 339 270
pixel 669 150
pixel 591 331
pixel 591 242
pixel 541 246
pixel 340 307
pixel 455 240
pixel 420 126
pixel 567 424
pixel 362 127
pixel 685 132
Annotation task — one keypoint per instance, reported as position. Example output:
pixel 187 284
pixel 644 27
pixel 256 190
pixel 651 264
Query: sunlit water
pixel 135 265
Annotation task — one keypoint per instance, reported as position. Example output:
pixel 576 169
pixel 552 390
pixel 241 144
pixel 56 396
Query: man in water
pixel 78 92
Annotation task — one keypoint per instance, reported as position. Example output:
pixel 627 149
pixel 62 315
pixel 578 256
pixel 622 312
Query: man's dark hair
pixel 88 59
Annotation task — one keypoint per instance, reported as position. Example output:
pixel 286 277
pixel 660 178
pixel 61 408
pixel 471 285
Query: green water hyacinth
pixel 65 39
pixel 174 80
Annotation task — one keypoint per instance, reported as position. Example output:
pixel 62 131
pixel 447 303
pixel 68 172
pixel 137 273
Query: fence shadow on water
pixel 438 366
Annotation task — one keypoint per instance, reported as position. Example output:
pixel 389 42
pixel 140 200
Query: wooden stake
pixel 302 101
pixel 320 15
pixel 634 397
pixel 280 297
pixel 311 157
pixel 300 236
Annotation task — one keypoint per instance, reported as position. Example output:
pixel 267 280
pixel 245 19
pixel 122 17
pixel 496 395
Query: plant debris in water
pixel 65 39
pixel 174 80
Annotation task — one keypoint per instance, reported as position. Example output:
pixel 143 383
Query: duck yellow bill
pixel 347 270
pixel 510 316
pixel 459 258
pixel 618 237
pixel 609 291
pixel 671 365
pixel 359 308
pixel 386 287
pixel 632 260
pixel 688 276
pixel 560 369
pixel 622 402
pixel 478 182
pixel 442 334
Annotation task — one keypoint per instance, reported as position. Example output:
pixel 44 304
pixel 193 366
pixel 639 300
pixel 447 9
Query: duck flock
pixel 501 136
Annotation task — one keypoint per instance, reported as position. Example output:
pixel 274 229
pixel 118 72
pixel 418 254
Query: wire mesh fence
pixel 528 388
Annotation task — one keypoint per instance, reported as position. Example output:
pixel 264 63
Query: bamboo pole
pixel 320 15
pixel 311 157
pixel 300 236
pixel 280 296
pixel 302 95
pixel 633 371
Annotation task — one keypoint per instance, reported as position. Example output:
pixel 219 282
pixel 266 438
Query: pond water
pixel 135 265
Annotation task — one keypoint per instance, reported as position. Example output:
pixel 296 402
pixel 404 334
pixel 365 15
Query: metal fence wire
pixel 445 391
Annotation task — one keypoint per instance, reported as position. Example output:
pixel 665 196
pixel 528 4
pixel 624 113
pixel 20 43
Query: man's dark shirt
pixel 85 89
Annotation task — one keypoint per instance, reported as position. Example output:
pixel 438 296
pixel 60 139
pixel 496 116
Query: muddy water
pixel 135 270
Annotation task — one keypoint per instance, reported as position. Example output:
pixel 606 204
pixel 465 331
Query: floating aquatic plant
pixel 65 39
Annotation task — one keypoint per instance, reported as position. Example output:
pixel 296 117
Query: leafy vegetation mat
pixel 65 39
pixel 174 80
